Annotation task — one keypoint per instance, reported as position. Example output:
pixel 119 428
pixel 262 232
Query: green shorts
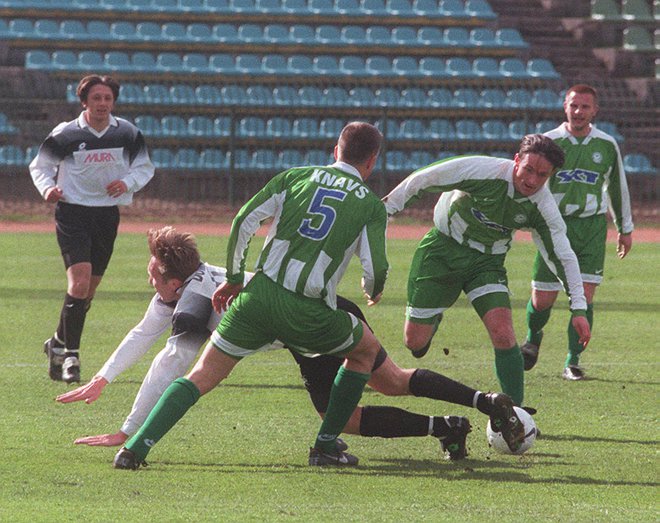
pixel 441 268
pixel 588 239
pixel 265 313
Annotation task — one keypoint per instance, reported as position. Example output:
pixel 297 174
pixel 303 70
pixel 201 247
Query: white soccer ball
pixel 496 440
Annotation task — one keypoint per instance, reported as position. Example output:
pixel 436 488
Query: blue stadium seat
pixel 276 34
pixel 169 63
pixel 233 95
pixel 73 30
pixel 453 9
pixel 400 8
pixel 71 95
pixel 21 28
pixel 353 66
pixel 263 159
pixel 544 126
pixel 433 67
pixel 431 36
pixel 149 31
pixel 240 158
pixel 294 7
pixel 508 37
pixel 208 95
pixel 47 29
pixel 318 157
pixel 213 159
pixel 6 126
pixel 31 153
pixel 379 66
pixel 186 158
pixel 222 63
pixel 465 98
pixel 251 34
pixel 222 126
pixel 300 65
pixel 412 129
pixel 413 97
pixel 361 97
pixel 89 61
pixel 123 31
pixel 494 130
pixel 419 159
pixel 269 6
pixel 310 96
pixel 290 158
pixel 485 67
pixel 117 61
pixel 468 130
pixel 483 37
pixel 174 32
pixel 330 127
pixel 173 125
pixel 161 158
pixel 259 96
pixel 149 125
pixel 278 127
pixel 611 129
pixel 251 127
pixel 519 128
pixel 321 7
pixel 129 94
pixel 353 35
pixel 242 6
pixel 542 68
pixel 143 61
pixel 302 34
pixel 64 60
pixel 274 64
pixel 387 97
pixel 378 35
pixel 305 128
pixel 637 163
pixel 396 161
pixel 492 99
pixel 335 96
pixel 440 97
pixel 113 5
pixel 513 68
pixel 286 96
pixel 348 7
pixel 459 67
pixel 374 8
pixel 201 126
pixel 11 155
pixel 405 66
pixel 98 30
pixel 325 65
pixel 427 8
pixel 195 63
pixel 225 33
pixel 157 94
pixel 328 34
pixel 545 99
pixel 518 98
pixel 441 129
pixel 192 6
pixel 38 60
pixel 479 9
pixel 182 95
pixel 199 33
pixel 456 37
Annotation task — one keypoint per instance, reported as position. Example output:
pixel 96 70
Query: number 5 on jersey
pixel 318 206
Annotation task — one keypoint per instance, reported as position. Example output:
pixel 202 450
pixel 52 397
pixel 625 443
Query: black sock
pixel 392 422
pixel 72 320
pixel 428 384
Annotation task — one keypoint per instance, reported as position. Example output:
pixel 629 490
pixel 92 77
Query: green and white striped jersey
pixel 480 208
pixel 592 177
pixel 321 217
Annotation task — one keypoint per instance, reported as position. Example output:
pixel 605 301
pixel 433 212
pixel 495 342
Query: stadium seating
pixel 636 163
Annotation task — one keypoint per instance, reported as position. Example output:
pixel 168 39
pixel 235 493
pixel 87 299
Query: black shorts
pixel 86 234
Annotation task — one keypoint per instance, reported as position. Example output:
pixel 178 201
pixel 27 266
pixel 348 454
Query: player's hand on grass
pixel 224 295
pixel 623 244
pixel 89 392
pixel 581 326
pixel 103 440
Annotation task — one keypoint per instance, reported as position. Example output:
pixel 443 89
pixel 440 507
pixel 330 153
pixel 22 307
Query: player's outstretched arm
pixel 224 295
pixel 103 440
pixel 89 392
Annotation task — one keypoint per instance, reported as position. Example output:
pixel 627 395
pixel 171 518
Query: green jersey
pixel 592 177
pixel 480 208
pixel 321 217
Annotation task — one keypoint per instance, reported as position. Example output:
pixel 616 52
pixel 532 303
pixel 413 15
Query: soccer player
pixel 184 286
pixel 483 201
pixel 322 216
pixel 591 180
pixel 87 167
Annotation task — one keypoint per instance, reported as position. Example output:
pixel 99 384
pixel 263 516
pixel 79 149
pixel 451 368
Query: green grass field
pixel 241 452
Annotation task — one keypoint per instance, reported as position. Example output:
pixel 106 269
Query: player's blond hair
pixel 176 252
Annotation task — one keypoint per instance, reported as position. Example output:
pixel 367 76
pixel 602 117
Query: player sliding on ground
pixel 184 286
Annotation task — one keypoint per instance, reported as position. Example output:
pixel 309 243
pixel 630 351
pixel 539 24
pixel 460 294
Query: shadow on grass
pixel 596 439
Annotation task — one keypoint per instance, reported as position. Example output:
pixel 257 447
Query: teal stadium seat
pixel 348 7
pixel 513 68
pixel 278 127
pixel 274 64
pixel 182 95
pixel 285 96
pixel 492 99
pixel 325 65
pixel 459 67
pixel 378 35
pixel 374 8
pixel 195 63
pixel 213 159
pixel 129 94
pixel 468 130
pixel 605 10
pixel 305 128
pixel 494 130
pixel 38 59
pixel 161 157
pixel 413 97
pixel 396 161
pixel 510 38
pixel 419 159
pixel 222 64
pixel 441 129
pixel 225 33
pixel 73 30
pixel 144 62
pixel 456 37
pixel 117 61
pixel 259 96
pixel 465 98
pixel 12 155
pixel 47 29
pixel 404 35
pixel 21 28
pixel 327 34
pixel 544 126
pixel 123 31
pixel 303 34
pixel 479 9
pixel 149 125
pixel 169 63
pixel 192 6
pixel 290 158
pixel 353 35
pixel 66 60
pixel 453 9
pixel 636 10
pixel 222 126
pixel 321 7
pixel 637 38
pixel 310 96
pixel 197 32
pixel 294 7
pixel 361 97
pixel 412 129
pixel 276 34
pixel 637 163
pixel 330 127
pixel 519 128
pixel 173 125
pixel 263 159
pixel 405 66
pixel 542 68
pixel 518 98
pixel 157 94
pixel 353 66
pixel 486 67
pixel 483 37
pixel 318 157
pixel 208 95
pixel 269 6
pixel 187 159
pixel 252 127
pixel 174 32
pixel 241 159
pixel 299 65
pixel 433 67
pixel 149 32
pixel 545 99
pixel 427 8
pixel 91 61
pixel 335 96
pixel 611 129
pixel 440 97
pixel 98 30
pixel 6 126
pixel 430 36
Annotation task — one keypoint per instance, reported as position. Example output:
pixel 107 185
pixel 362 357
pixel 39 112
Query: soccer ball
pixel 496 440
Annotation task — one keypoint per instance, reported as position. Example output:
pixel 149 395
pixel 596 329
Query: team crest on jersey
pixel 597 157
pixel 520 218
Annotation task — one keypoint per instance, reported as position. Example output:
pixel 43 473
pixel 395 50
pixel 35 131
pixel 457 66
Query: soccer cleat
pixel 573 373
pixel 54 350
pixel 454 444
pixel 503 418
pixel 71 369
pixel 341 445
pixel 126 459
pixel 530 353
pixel 318 458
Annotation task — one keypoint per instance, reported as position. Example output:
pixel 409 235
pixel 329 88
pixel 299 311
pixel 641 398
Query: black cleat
pixel 54 351
pixel 341 445
pixel 318 458
pixel 126 459
pixel 454 444
pixel 530 353
pixel 71 369
pixel 503 418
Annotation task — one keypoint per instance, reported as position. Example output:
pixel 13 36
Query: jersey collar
pixel 573 139
pixel 347 168
pixel 82 123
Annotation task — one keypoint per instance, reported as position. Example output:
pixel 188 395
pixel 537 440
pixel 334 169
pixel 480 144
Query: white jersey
pixel 191 319
pixel 83 161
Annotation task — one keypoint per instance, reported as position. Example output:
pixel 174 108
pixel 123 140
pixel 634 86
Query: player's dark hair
pixel 175 251
pixel 358 141
pixel 583 89
pixel 94 79
pixel 546 147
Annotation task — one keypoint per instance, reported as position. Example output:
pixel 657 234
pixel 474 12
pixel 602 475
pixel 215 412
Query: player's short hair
pixel 94 79
pixel 546 147
pixel 358 141
pixel 176 252
pixel 583 89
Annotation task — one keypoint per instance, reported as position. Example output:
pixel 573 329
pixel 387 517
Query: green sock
pixel 510 372
pixel 344 397
pixel 536 320
pixel 171 407
pixel 574 347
